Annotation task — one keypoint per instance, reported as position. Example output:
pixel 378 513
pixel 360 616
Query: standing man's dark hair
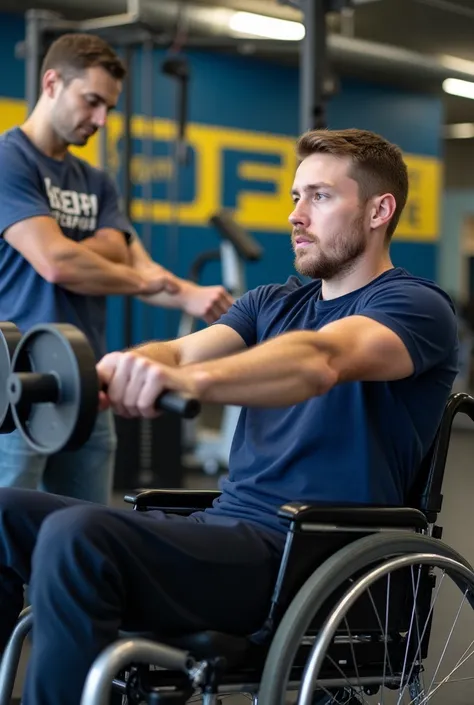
pixel 72 54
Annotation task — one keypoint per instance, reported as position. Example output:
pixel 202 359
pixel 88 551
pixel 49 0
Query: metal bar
pixel 354 529
pixel 450 6
pixel 40 21
pixel 313 66
pixel 127 175
pixel 130 17
pixel 134 7
pixel 233 270
pixel 103 150
pixel 110 22
pixel 114 658
pixel 33 58
pixel 11 656
pixel 147 101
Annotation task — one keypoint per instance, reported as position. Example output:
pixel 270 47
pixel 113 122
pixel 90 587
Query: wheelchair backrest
pixel 305 550
pixel 426 492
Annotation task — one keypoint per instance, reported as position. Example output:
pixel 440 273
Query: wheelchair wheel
pixel 376 625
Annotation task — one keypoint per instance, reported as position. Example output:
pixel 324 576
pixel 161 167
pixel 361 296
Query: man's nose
pixel 299 216
pixel 100 116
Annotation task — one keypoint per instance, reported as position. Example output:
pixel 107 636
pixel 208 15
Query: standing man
pixel 66 245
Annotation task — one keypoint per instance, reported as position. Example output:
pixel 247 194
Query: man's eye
pixel 319 196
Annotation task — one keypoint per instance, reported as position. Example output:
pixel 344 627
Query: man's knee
pixel 16 500
pixel 27 509
pixel 73 569
pixel 21 515
pixel 72 532
pixel 82 520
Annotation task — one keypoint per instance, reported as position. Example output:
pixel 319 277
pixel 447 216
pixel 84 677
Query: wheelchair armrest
pixel 355 516
pixel 172 499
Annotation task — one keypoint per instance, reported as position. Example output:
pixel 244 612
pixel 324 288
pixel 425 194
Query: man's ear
pixel 51 82
pixel 382 210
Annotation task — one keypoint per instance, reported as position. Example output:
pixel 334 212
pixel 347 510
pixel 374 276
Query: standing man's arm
pixel 110 244
pixel 66 263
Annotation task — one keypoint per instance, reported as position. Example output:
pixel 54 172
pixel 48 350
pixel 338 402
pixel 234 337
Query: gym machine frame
pixel 313 61
pixel 210 449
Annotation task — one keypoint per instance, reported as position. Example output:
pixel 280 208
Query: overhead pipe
pixel 209 26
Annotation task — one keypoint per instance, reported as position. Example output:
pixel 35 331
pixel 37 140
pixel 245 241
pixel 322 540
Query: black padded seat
pixel 203 645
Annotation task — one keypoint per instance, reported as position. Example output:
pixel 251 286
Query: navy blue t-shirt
pixel 82 199
pixel 362 442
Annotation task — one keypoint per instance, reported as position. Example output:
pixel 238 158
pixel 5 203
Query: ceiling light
pixel 457 64
pixel 267 27
pixel 459 131
pixel 455 86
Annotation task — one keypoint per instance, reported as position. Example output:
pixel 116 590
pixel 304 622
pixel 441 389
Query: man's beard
pixel 339 257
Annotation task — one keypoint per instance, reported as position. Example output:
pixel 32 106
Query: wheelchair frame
pixel 312 580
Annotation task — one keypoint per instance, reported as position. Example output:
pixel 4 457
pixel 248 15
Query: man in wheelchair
pixel 342 381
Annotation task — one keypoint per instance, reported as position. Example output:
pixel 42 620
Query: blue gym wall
pixel 243 123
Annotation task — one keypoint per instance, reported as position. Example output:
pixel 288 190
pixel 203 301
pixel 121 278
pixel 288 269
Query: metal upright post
pixel 32 49
pixel 313 65
pixel 103 150
pixel 33 54
pixel 147 110
pixel 127 174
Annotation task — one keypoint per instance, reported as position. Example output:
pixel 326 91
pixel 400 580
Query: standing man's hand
pixel 206 302
pixel 157 280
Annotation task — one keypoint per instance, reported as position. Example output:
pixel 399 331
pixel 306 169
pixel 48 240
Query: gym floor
pixel 455 518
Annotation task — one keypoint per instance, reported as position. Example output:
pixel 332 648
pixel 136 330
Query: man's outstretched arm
pixel 299 365
pixel 284 371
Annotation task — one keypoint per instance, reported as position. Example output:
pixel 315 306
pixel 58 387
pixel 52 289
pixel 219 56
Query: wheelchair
pixel 351 619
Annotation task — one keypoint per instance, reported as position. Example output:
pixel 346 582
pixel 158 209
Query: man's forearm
pixel 165 300
pixel 284 371
pixel 83 271
pixel 162 352
pixel 108 248
pixel 141 260
pixel 138 253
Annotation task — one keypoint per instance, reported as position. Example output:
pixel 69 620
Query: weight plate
pixel 61 350
pixel 10 337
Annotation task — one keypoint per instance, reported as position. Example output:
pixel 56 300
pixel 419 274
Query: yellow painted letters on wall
pixel 252 170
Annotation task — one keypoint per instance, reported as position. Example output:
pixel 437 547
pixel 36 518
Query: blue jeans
pixel 85 474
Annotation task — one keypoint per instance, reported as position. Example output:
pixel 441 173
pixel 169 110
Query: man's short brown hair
pixel 72 54
pixel 377 164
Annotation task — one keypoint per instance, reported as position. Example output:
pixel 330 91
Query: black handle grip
pixel 246 245
pixel 174 404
